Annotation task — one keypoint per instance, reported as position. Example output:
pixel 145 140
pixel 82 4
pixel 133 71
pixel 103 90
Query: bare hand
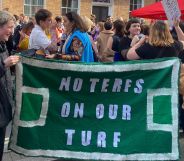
pixel 11 60
pixel 176 22
pixel 144 39
pixel 134 40
pixel 50 56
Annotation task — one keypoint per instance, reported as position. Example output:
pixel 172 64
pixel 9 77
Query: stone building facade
pixel 101 8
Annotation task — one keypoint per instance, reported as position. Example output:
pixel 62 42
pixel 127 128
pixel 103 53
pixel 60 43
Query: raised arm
pixel 179 32
pixel 131 54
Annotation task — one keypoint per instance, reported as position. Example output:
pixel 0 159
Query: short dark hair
pixel 58 19
pixel 16 17
pixel 130 22
pixel 119 27
pixel 28 26
pixel 108 25
pixel 42 15
pixel 145 29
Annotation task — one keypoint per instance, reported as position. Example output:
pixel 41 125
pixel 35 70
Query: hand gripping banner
pixel 120 111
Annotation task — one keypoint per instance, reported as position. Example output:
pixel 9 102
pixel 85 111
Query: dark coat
pixel 5 89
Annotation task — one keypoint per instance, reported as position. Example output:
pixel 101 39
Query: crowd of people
pixel 72 37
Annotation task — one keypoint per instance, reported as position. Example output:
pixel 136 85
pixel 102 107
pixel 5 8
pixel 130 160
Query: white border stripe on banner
pixel 173 91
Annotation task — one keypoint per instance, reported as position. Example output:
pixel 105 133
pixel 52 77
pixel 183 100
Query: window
pixel 135 4
pixel 102 9
pixel 69 5
pixel 102 1
pixel 32 6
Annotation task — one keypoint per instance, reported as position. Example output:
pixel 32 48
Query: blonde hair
pixel 101 26
pixel 160 34
pixel 93 17
pixel 87 22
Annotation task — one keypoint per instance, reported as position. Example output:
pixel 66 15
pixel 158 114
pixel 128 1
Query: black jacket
pixel 5 89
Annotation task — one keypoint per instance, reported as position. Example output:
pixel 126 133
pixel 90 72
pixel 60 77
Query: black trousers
pixel 181 113
pixel 2 137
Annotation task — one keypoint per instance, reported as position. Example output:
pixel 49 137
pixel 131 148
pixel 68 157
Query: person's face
pixel 135 29
pixel 59 24
pixel 29 32
pixel 67 24
pixel 46 24
pixel 111 19
pixel 6 31
pixel 21 18
pixel 26 19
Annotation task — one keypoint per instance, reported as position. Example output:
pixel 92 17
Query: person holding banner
pixel 6 102
pixel 159 44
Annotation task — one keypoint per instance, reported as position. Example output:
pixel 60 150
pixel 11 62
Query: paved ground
pixel 11 156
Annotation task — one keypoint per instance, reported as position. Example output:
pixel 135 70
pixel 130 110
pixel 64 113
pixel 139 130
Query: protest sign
pixel 120 111
pixel 172 10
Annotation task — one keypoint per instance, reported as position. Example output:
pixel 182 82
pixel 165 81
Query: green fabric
pixel 128 94
pixel 31 104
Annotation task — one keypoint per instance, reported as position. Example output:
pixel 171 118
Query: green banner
pixel 120 111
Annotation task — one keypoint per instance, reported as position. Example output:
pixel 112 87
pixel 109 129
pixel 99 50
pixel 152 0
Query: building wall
pixel 120 7
pixel 85 7
pixel 147 2
pixel 54 6
pixel 15 7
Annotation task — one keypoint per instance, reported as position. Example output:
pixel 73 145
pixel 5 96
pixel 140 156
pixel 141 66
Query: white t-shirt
pixel 38 39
